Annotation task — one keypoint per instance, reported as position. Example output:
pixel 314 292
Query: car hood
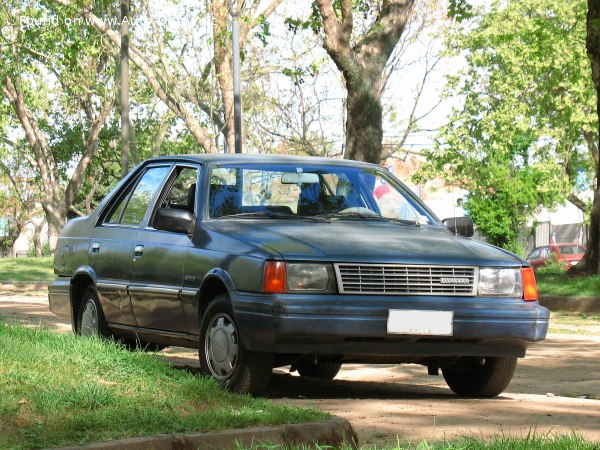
pixel 364 241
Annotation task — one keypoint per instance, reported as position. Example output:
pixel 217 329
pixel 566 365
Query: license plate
pixel 426 323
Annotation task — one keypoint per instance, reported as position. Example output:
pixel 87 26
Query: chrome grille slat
pixel 394 279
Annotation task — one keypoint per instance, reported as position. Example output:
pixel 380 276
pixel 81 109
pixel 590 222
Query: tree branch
pixel 91 146
pixel 150 72
pixel 383 35
pixel 592 146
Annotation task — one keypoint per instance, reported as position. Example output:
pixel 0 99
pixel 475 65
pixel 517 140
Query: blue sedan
pixel 267 261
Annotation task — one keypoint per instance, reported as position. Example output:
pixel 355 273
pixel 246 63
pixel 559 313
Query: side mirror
pixel 463 226
pixel 175 220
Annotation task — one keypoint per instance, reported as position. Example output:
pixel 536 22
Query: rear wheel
pixel 480 377
pixel 91 321
pixel 223 355
pixel 320 370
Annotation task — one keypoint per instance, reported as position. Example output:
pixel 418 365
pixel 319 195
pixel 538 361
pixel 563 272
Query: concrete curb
pixel 333 433
pixel 23 285
pixel 583 305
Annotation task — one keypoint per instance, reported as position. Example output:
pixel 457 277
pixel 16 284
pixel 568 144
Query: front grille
pixel 405 279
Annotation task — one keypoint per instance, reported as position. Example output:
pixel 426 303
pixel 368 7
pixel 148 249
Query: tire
pixel 223 355
pixel 91 320
pixel 480 377
pixel 321 370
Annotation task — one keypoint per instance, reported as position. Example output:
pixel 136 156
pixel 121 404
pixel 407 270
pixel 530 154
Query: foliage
pixel 517 142
pixel 60 389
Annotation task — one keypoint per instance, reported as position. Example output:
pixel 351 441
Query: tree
pixel 186 91
pixel 524 129
pixel 77 63
pixel 591 260
pixel 362 59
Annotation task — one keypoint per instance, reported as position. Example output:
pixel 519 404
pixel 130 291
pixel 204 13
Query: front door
pixel 158 259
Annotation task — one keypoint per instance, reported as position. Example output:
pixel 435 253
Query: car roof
pixel 233 158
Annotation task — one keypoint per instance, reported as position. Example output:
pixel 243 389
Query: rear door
pixel 111 247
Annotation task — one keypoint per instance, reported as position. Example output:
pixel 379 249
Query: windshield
pixel 306 191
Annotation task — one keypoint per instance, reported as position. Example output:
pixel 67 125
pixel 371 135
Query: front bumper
pixel 357 325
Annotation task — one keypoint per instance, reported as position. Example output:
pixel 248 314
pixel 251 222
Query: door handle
pixel 138 250
pixel 96 247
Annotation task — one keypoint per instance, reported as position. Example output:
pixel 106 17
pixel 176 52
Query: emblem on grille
pixel 455 280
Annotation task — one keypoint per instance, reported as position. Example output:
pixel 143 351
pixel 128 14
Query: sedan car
pixel 269 261
pixel 567 254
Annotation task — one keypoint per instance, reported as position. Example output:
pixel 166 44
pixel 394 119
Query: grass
pixel 574 323
pixel 551 441
pixel 26 269
pixel 60 389
pixel 558 282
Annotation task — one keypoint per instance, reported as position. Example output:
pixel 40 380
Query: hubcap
pixel 89 319
pixel 221 346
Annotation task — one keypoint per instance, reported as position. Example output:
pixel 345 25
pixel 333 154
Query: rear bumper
pixel 357 325
pixel 59 297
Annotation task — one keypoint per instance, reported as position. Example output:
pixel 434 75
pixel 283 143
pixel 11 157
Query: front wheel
pixel 480 377
pixel 222 353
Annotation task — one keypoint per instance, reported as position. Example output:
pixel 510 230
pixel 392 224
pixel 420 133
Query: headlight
pixel 281 277
pixel 308 277
pixel 498 282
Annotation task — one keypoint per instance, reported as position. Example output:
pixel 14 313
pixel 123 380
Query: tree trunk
pixel 37 238
pixel 364 131
pixel 55 216
pixel 591 259
pixel 362 66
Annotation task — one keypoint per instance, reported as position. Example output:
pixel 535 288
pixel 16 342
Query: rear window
pixel 571 249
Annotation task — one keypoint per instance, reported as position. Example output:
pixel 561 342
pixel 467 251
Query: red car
pixel 569 254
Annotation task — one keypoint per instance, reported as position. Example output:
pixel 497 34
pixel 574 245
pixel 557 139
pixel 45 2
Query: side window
pixel 534 254
pixel 132 208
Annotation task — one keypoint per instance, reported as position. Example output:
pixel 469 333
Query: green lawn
pixel 552 441
pixel 26 269
pixel 61 389
pixel 559 282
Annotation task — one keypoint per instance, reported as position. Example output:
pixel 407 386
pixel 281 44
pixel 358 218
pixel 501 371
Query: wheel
pixel 320 370
pixel 222 353
pixel 480 377
pixel 91 321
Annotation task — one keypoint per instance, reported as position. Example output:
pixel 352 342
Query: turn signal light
pixel 275 279
pixel 530 293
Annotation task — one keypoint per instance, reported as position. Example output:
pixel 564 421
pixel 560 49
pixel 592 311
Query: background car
pixel 567 253
pixel 263 261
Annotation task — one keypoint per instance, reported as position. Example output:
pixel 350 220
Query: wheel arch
pixel 215 282
pixel 84 277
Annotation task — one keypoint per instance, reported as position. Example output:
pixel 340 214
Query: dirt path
pixel 555 389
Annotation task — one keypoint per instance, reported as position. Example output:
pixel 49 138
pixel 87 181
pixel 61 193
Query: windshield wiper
pixel 371 216
pixel 273 215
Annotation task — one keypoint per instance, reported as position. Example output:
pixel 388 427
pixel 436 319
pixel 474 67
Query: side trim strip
pixel 170 334
pixel 154 289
